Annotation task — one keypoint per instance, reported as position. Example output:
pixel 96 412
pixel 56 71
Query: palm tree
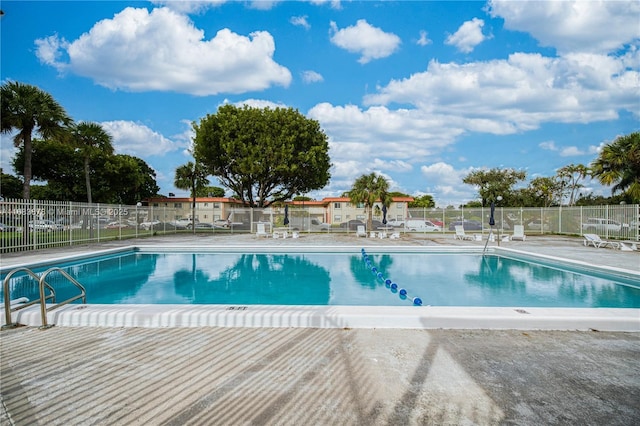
pixel 26 108
pixel 619 165
pixel 90 139
pixel 367 190
pixel 193 177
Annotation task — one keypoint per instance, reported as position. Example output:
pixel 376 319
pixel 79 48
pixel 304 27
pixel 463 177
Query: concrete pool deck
pixel 321 376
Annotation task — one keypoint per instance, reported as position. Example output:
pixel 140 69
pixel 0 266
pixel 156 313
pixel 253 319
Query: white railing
pixel 35 224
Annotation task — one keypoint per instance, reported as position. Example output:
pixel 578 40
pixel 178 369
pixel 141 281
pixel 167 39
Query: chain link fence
pixel 35 224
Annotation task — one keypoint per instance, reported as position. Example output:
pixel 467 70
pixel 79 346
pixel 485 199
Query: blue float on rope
pixel 394 286
pixel 417 301
pixel 403 292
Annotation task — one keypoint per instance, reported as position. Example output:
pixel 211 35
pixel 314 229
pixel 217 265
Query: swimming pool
pixel 309 285
pixel 349 278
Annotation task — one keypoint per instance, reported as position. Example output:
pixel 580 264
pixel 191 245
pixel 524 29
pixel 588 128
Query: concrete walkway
pixel 305 376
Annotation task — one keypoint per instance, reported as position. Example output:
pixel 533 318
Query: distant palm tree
pixel 367 190
pixel 192 177
pixel 90 139
pixel 619 165
pixel 26 108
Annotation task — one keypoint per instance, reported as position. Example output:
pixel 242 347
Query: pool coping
pixel 401 317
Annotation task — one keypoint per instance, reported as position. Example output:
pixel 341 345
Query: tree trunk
pixel 26 188
pixel 87 179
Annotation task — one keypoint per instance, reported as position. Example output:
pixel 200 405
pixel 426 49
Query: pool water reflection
pixel 336 279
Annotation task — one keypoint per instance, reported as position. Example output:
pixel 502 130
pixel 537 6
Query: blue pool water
pixel 334 279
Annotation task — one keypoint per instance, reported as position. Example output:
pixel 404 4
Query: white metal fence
pixel 35 224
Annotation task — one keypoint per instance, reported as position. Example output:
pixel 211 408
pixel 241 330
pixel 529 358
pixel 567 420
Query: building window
pixel 360 205
pixel 337 218
pixel 177 205
pixel 205 204
pixel 155 205
pixel 336 205
pixel 216 205
pixel 399 205
pixel 360 217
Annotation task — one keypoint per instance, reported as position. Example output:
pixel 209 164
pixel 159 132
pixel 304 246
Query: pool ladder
pixel 42 286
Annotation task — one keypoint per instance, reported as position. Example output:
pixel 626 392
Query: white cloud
pixel 163 51
pixel 371 42
pixel 468 36
pixel 311 77
pixel 185 6
pixel 520 93
pixel 573 26
pixel 409 135
pixel 335 4
pixel 424 39
pixel 571 151
pixel 442 181
pixel 137 139
pixel 260 103
pixel 548 145
pixel 300 21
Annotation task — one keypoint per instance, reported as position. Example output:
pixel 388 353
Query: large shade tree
pixel 494 183
pixel 619 165
pixel 25 109
pixel 124 179
pixel 90 139
pixel 263 155
pixel 367 190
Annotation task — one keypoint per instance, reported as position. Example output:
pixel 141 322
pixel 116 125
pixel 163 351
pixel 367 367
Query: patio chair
pixel 460 235
pixel 597 242
pixel 360 231
pixel 261 231
pixel 394 236
pixel 518 233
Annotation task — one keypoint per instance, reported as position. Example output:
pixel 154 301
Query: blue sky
pixel 422 92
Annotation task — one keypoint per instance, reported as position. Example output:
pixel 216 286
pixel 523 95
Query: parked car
pixel 395 223
pixel 467 225
pixel 352 225
pixel 117 225
pixel 437 222
pixel 185 223
pixel 421 225
pixel 538 225
pixel 45 226
pixel 150 224
pixel 598 224
pixel 204 225
pixel 9 228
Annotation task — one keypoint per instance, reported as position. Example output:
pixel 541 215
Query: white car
pixel 421 225
pixel 45 226
pixel 598 224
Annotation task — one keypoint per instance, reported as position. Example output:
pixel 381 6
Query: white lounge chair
pixel 360 231
pixel 460 235
pixel 373 234
pixel 518 233
pixel 261 231
pixel 394 236
pixel 597 242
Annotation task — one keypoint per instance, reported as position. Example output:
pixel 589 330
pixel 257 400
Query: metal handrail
pixel 7 295
pixel 43 283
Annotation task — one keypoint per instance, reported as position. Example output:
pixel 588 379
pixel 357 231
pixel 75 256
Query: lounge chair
pixel 518 233
pixel 460 235
pixel 360 231
pixel 597 242
pixel 395 236
pixel 261 231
